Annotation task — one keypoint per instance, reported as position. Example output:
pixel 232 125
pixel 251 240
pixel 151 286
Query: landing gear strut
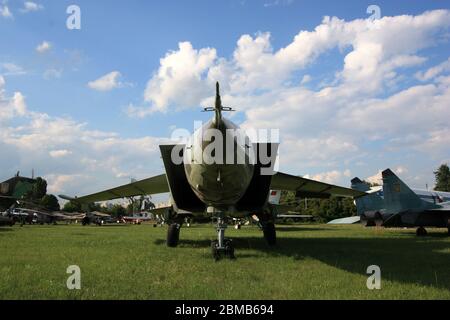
pixel 421 231
pixel 269 233
pixel 222 246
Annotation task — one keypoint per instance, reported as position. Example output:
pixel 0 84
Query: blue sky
pixel 129 39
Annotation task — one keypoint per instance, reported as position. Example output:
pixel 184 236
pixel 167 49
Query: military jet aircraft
pixel 37 215
pixel 399 206
pixel 13 189
pixel 202 180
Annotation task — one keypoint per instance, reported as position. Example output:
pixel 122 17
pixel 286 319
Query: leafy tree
pixel 323 209
pixel 39 189
pixel 146 203
pixel 50 202
pixel 442 175
pixel 72 207
pixel 117 210
pixel 139 203
pixel 131 207
pixel 95 207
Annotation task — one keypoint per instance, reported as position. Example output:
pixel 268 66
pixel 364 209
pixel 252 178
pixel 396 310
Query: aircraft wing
pixel 160 210
pixel 100 214
pixel 153 185
pixel 282 208
pixel 308 188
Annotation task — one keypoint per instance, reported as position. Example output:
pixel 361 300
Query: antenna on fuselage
pixel 218 107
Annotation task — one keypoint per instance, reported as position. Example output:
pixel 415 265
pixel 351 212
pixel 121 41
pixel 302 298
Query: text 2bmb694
pixel 247 309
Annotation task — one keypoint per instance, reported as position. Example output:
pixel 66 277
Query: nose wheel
pixel 222 247
pixel 226 252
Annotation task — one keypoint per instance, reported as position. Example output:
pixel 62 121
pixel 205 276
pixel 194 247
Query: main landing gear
pixel 267 224
pixel 173 234
pixel 421 231
pixel 269 233
pixel 222 247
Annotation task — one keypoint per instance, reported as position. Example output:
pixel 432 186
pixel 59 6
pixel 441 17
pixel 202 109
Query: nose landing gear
pixel 222 247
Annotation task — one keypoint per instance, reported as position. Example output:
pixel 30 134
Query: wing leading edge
pixel 280 181
pixel 310 188
pixel 153 185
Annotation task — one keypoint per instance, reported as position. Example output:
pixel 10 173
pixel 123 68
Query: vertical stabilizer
pixel 370 202
pixel 398 197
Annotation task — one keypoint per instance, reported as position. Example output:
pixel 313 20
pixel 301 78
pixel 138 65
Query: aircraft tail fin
pixel 370 202
pixel 360 185
pixel 398 196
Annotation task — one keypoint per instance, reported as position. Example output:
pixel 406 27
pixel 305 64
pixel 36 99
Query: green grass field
pixel 309 262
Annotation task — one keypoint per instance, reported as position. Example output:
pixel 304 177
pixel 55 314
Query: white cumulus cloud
pixel 107 82
pixel 30 6
pixel 43 47
pixel 366 99
pixel 434 71
pixel 180 77
pixel 59 153
pixel 11 69
pixel 5 12
pixel 72 157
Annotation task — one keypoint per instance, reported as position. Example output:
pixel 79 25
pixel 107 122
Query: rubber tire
pixel 269 233
pixel 229 250
pixel 421 231
pixel 214 251
pixel 378 220
pixel 173 235
pixel 85 221
pixel 366 222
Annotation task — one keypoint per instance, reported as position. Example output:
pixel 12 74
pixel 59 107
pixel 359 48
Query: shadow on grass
pixel 408 260
pixel 439 234
pixel 286 228
pixel 115 225
pixel 5 229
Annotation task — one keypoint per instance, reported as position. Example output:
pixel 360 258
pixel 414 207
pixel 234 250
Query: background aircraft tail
pixel 370 202
pixel 398 197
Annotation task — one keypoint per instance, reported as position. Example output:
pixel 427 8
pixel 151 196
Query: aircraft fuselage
pixel 217 163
